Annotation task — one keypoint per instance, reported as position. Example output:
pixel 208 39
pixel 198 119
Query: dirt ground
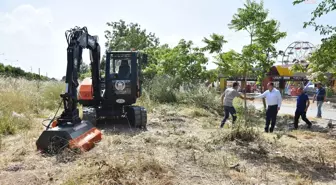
pixel 183 145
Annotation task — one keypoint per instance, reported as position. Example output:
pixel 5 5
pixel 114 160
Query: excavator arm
pixel 78 39
pixel 68 130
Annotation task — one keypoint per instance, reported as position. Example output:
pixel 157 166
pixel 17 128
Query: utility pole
pixel 38 80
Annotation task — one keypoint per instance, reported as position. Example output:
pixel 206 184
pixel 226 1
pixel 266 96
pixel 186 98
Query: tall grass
pixel 21 100
pixel 167 90
pixel 26 99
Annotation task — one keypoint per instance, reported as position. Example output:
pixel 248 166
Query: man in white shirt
pixel 273 100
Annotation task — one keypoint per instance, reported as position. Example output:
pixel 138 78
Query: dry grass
pixel 22 100
pixel 176 149
pixel 183 145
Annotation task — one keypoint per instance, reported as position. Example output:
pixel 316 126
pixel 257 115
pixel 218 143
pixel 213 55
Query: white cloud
pixel 28 39
pixel 34 35
pixel 25 18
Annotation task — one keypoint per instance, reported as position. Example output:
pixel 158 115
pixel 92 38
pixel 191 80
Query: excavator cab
pixel 120 87
pixel 122 75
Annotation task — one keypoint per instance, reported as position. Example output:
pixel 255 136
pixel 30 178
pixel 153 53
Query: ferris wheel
pixel 297 53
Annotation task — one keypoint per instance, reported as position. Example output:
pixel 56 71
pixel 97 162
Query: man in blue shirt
pixel 320 98
pixel 302 104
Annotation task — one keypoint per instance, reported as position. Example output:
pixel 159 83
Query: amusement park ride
pixel 296 53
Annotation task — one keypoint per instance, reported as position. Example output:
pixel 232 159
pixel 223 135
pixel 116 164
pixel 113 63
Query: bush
pixel 202 97
pixel 238 132
pixel 161 89
pixel 164 89
pixel 329 92
pixel 246 134
pixel 252 114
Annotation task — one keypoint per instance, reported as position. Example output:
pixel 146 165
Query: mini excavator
pixel 103 99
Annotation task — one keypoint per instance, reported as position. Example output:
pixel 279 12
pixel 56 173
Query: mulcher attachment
pixel 82 136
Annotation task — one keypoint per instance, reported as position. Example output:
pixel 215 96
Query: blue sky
pixel 32 32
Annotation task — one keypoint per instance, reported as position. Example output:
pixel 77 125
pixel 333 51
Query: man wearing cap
pixel 320 98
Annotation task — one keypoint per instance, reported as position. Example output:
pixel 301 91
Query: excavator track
pixel 137 116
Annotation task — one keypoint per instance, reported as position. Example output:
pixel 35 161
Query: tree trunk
pixel 263 100
pixel 245 79
pixel 245 101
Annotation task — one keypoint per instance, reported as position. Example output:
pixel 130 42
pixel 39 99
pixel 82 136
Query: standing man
pixel 227 100
pixel 320 98
pixel 273 100
pixel 302 104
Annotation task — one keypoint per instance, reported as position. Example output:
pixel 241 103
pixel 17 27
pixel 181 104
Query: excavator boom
pixel 68 130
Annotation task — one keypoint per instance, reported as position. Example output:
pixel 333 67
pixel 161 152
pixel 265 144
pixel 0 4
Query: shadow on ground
pixel 315 170
pixel 115 127
pixel 308 169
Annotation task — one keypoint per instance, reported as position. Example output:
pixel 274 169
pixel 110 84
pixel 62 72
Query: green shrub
pixel 252 114
pixel 329 92
pixel 161 89
pixel 239 106
pixel 202 97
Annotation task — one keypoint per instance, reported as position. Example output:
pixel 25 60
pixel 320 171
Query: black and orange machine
pixel 120 88
pixel 110 98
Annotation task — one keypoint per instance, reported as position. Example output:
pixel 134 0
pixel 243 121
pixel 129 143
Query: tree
pixel 323 8
pixel 84 70
pixel 323 59
pixel 267 35
pixel 211 75
pixel 184 61
pixel 299 68
pixel 263 35
pixel 10 71
pixel 124 37
pixel 214 44
pixel 229 63
pixel 156 57
pixel 248 19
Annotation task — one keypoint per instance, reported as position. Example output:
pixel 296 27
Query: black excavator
pixel 107 98
pixel 119 89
